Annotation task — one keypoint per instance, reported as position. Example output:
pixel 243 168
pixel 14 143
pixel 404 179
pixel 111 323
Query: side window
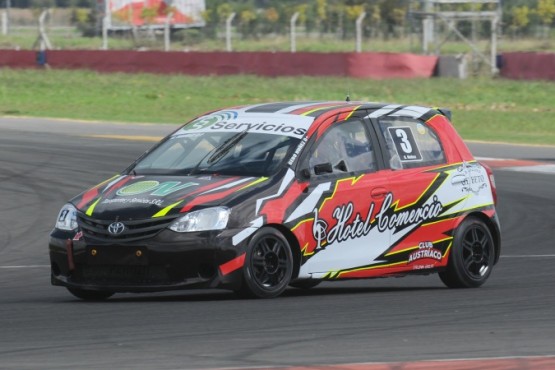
pixel 344 147
pixel 410 143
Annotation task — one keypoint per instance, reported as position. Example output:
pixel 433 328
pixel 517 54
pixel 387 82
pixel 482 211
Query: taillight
pixel 491 181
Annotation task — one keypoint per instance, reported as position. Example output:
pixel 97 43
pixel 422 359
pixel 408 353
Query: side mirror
pixel 322 168
pixel 305 173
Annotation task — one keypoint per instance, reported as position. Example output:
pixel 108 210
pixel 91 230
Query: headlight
pixel 202 220
pixel 67 218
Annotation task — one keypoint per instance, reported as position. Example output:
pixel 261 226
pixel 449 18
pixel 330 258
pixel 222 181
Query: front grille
pixel 134 229
pixel 130 275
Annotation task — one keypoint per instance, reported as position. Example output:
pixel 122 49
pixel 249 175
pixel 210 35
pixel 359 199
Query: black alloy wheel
pixel 472 256
pixel 268 265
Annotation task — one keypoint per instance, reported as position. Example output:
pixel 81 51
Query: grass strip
pixel 483 109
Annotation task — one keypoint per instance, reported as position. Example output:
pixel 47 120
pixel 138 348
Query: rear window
pixel 410 143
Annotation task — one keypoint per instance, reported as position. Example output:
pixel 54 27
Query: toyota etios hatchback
pixel 257 198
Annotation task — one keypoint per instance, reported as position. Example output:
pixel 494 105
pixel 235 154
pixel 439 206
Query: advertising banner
pixel 153 13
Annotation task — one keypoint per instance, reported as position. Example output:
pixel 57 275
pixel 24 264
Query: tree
pixel 247 20
pixel 321 14
pixel 392 12
pixel 398 16
pixel 223 11
pixel 520 18
pixel 351 13
pixel 546 12
pixel 271 18
pixel 375 20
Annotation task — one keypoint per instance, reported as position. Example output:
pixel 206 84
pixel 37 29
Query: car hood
pixel 127 197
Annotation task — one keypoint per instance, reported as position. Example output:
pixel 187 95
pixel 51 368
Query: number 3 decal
pixel 405 143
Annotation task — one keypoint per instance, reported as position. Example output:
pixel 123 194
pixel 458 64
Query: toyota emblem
pixel 116 228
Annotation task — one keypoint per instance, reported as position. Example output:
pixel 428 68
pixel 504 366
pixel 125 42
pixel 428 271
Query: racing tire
pixel 305 283
pixel 90 295
pixel 472 256
pixel 268 265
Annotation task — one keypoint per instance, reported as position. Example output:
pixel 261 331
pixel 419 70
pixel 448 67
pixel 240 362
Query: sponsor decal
pixel 421 129
pixel 425 250
pixel 343 230
pixel 298 151
pixel 154 187
pixel 393 219
pixel 319 229
pixel 138 188
pixel 229 121
pixel 388 218
pixel 423 267
pixel 156 202
pixel 470 178
pixel 207 121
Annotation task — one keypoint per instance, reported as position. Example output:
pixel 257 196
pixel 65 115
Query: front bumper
pixel 167 261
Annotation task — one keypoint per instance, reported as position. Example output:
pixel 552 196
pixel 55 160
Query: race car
pixel 262 197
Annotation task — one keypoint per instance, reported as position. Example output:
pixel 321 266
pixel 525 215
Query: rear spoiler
pixel 446 112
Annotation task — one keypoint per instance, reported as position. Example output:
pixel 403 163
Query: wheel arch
pixel 293 244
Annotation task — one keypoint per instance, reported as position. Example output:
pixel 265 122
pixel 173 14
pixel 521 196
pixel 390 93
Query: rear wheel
pixel 90 295
pixel 268 265
pixel 472 256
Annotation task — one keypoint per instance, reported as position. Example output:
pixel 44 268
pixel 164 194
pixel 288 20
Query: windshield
pixel 227 153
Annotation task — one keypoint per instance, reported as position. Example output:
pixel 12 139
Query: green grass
pixel 483 109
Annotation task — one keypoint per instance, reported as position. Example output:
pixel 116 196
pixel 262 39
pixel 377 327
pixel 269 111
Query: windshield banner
pixel 230 121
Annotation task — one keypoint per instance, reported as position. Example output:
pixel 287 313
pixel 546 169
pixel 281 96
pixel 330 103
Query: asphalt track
pixel 43 163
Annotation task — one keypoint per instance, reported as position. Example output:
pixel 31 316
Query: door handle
pixel 378 193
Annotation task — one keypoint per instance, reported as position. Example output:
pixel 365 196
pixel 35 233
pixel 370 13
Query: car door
pixel 416 210
pixel 345 190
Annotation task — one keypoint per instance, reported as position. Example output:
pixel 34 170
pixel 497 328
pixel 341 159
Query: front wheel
pixel 472 255
pixel 268 265
pixel 90 295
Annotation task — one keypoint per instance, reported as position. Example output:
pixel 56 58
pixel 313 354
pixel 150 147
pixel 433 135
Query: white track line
pixel 544 168
pixel 539 167
pixel 24 267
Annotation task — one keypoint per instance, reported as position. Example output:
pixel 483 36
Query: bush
pixel 189 36
pixel 85 21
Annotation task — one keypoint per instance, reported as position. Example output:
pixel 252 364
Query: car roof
pixel 316 109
